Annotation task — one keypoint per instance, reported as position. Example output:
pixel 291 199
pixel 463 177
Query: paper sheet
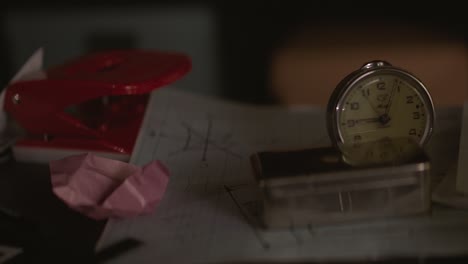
pixel 31 68
pixel 462 172
pixel 206 144
pixel 453 190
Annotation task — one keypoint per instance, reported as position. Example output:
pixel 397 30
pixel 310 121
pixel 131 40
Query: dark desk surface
pixel 48 230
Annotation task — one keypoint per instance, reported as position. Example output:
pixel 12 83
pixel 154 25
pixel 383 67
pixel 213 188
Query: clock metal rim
pixel 346 85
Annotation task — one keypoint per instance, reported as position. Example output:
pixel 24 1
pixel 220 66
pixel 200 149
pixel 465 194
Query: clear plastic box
pixel 325 186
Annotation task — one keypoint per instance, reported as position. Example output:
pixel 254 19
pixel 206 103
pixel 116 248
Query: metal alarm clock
pixel 379 101
pixel 379 119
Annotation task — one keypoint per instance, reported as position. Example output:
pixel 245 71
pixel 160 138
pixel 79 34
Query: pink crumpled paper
pixel 104 188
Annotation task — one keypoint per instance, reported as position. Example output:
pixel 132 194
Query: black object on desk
pixel 34 219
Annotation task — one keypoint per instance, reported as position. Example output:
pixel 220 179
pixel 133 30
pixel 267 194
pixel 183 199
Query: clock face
pixel 384 104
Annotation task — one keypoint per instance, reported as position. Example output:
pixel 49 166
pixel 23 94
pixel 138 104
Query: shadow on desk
pixel 36 221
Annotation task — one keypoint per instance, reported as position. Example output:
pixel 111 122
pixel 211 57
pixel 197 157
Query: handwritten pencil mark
pixel 208 132
pixel 261 240
pixel 189 137
pixel 196 141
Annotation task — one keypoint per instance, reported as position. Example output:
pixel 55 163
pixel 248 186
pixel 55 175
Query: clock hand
pixel 390 100
pixel 384 119
pixel 371 105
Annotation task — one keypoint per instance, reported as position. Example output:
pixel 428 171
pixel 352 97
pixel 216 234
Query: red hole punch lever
pixel 94 103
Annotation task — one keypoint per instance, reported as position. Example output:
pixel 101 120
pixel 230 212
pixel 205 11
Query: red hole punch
pixel 94 103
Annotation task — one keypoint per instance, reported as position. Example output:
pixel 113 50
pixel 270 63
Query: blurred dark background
pixel 252 51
